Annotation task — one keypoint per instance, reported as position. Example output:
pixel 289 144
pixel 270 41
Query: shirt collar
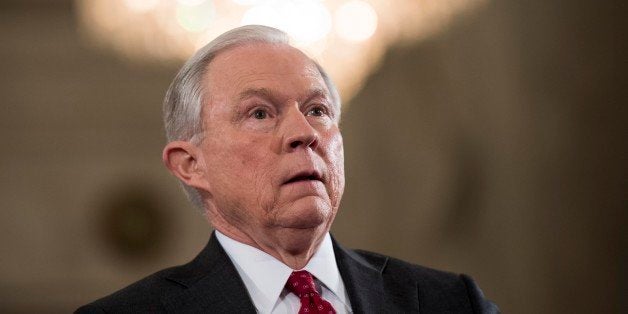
pixel 265 276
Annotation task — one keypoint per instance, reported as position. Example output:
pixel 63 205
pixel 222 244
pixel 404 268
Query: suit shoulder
pixel 393 265
pixel 438 291
pixel 143 295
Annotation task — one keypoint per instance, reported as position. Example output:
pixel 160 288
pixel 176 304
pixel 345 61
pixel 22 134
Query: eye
pixel 317 112
pixel 259 114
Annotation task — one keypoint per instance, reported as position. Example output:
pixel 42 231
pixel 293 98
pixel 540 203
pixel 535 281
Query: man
pixel 252 125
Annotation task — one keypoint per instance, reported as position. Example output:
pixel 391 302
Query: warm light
pixel 307 21
pixel 261 15
pixel 157 30
pixel 356 21
pixel 310 21
pixel 191 2
pixel 248 2
pixel 141 6
pixel 196 17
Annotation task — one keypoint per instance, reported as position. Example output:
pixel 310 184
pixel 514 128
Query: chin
pixel 305 215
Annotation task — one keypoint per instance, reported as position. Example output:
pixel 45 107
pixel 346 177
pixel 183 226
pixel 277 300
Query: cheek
pixel 251 165
pixel 338 156
pixel 336 167
pixel 232 162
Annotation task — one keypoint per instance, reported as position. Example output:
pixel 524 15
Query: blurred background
pixel 486 137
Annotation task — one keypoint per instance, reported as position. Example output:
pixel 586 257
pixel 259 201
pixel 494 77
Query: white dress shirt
pixel 265 277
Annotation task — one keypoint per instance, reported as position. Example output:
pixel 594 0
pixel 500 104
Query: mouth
pixel 305 176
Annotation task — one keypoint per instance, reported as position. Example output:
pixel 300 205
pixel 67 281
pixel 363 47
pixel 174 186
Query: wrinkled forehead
pixel 264 65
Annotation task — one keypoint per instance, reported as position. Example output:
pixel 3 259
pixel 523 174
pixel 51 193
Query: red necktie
pixel 301 283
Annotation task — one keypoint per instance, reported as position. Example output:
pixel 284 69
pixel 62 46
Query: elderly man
pixel 252 125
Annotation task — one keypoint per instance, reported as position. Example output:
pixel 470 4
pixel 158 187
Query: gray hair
pixel 184 99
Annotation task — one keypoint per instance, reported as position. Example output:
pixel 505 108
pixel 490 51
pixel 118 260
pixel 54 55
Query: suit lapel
pixel 213 285
pixel 362 280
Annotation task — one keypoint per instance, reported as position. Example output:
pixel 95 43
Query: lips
pixel 305 176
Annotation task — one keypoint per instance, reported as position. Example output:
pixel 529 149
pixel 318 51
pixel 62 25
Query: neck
pixel 293 247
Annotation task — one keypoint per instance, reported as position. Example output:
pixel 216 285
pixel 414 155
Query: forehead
pixel 279 67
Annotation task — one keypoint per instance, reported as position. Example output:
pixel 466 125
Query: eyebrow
pixel 259 92
pixel 316 93
pixel 269 94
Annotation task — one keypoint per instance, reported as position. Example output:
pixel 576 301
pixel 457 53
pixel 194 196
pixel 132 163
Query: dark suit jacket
pixel 375 284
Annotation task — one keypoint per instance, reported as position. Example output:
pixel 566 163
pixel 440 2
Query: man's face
pixel 272 148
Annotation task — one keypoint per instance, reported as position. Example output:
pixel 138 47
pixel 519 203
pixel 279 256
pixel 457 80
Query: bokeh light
pixel 356 21
pixel 262 15
pixel 348 37
pixel 191 2
pixel 248 2
pixel 307 21
pixel 195 16
pixel 141 6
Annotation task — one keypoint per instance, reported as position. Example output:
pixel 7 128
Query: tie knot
pixel 300 283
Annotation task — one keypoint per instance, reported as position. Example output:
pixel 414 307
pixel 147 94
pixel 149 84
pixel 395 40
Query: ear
pixel 185 161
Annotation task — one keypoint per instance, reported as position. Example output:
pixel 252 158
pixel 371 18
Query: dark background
pixel 496 148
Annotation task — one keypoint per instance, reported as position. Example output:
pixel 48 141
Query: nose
pixel 298 132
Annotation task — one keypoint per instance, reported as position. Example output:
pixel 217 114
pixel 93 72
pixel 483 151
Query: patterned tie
pixel 301 283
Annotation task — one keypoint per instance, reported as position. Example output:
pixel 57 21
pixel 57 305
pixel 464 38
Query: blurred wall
pixel 495 148
pixel 87 206
pixel 498 148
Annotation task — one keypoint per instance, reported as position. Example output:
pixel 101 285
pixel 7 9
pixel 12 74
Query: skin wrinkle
pixel 245 161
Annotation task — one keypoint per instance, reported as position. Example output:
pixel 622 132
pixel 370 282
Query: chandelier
pixel 348 37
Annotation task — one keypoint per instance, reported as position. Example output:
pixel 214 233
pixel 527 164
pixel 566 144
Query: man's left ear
pixel 185 161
